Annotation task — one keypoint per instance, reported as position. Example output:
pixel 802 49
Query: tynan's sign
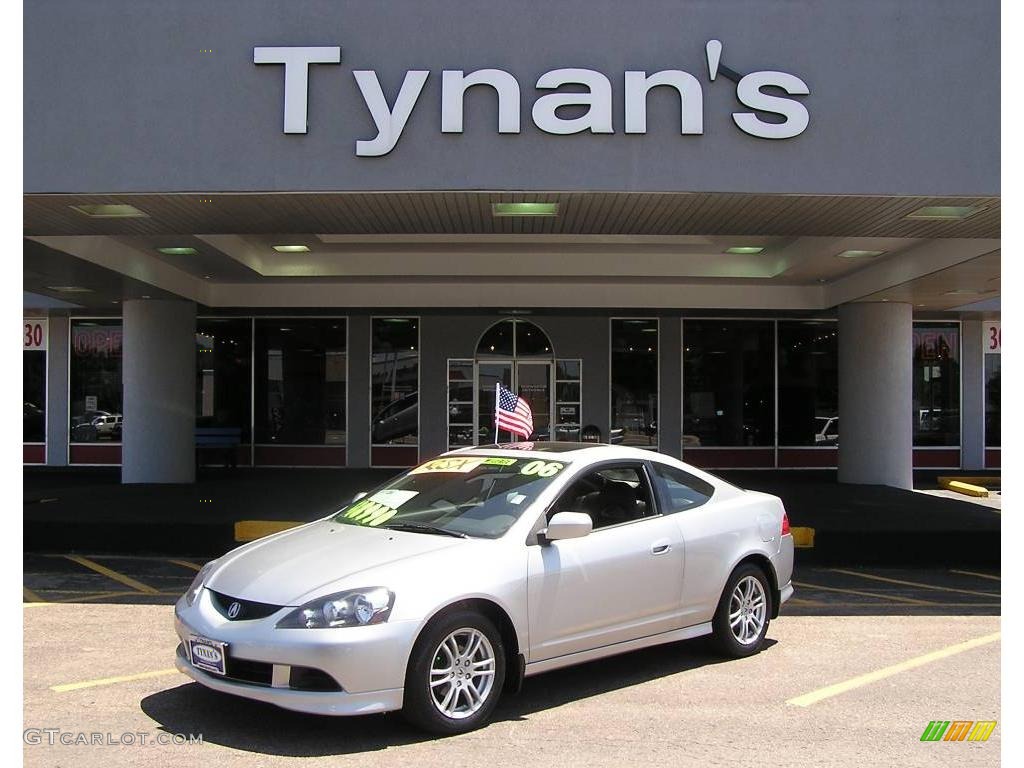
pixel 390 119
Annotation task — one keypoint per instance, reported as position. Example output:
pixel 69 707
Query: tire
pixel 745 605
pixel 451 707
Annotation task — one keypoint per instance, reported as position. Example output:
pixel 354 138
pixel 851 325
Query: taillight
pixel 785 523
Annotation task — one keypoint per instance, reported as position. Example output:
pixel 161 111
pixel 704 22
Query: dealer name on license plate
pixel 207 654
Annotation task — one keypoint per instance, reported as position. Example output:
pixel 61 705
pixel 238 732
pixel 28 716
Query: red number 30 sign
pixel 34 336
pixel 993 338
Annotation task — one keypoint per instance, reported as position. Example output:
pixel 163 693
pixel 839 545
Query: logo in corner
pixel 958 730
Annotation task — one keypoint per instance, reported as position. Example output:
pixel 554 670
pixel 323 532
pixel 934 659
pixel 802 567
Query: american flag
pixel 512 413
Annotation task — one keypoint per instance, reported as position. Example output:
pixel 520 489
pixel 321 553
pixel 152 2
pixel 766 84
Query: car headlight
pixel 197 583
pixel 351 608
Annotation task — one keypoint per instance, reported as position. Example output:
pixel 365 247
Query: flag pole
pixel 497 403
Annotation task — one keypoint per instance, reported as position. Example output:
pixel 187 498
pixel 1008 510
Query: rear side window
pixel 681 489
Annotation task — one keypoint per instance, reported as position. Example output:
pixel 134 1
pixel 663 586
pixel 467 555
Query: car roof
pixel 566 450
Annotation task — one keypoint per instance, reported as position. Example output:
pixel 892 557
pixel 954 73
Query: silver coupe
pixel 467 574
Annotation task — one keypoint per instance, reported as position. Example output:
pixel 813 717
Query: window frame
pixel 665 498
pixel 542 520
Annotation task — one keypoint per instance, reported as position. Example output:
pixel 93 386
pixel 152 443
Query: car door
pixel 621 582
pixel 711 533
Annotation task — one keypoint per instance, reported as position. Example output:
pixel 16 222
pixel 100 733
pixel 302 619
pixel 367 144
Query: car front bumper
pixel 367 663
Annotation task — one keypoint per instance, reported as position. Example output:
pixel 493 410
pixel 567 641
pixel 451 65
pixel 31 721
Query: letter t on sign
pixel 296 77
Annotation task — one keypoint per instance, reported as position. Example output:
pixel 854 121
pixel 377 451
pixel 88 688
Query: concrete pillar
pixel 57 410
pixel 158 373
pixel 875 394
pixel 358 451
pixel 972 395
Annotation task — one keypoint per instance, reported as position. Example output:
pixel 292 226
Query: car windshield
pixel 480 496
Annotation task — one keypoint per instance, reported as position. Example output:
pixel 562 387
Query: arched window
pixel 514 339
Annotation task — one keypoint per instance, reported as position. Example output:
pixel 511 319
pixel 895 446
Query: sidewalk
pixel 88 510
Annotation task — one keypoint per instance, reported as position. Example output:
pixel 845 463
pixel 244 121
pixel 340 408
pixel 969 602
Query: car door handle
pixel 660 548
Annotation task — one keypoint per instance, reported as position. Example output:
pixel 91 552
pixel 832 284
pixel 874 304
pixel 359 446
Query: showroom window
pixel 634 381
pixel 728 383
pixel 301 381
pixel 224 374
pixel 808 383
pixel 395 380
pixel 95 381
pixel 936 376
pixel 33 391
pixel 992 410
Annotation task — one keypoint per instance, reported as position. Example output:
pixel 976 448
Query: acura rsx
pixel 461 577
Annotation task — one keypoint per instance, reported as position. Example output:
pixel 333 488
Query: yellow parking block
pixel 967 489
pixel 803 538
pixel 250 530
pixel 985 481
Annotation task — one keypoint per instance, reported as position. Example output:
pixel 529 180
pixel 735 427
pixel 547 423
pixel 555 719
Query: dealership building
pixel 319 233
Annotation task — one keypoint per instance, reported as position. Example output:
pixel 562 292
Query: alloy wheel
pixel 462 673
pixel 747 610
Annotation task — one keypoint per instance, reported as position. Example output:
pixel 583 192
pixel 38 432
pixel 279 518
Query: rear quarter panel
pixel 717 536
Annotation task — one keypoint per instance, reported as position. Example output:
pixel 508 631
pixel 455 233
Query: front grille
pixel 262 673
pixel 247 609
pixel 245 671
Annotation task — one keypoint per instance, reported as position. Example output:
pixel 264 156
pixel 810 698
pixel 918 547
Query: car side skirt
pixel 568 660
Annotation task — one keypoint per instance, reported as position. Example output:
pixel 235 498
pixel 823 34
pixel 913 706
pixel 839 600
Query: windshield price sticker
pixel 542 468
pixel 462 464
pixel 392 497
pixel 370 513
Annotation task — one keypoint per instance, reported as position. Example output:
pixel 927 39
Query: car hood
pixel 292 567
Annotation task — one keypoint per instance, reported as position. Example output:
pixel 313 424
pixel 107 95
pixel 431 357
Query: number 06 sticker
pixel 542 468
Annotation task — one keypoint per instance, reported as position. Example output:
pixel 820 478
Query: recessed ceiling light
pixel 947 212
pixel 206 277
pixel 855 254
pixel 745 250
pixel 962 292
pixel 524 209
pixel 178 250
pixel 69 289
pixel 111 211
pixel 291 248
pixel 145 296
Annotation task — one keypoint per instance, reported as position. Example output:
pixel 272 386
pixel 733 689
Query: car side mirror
pixel 358 496
pixel 568 525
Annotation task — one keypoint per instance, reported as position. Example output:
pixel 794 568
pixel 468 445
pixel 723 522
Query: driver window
pixel 610 495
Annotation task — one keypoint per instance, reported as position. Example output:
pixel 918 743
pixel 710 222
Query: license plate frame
pixel 212 656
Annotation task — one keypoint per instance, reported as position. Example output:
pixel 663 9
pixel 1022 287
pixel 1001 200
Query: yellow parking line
pixel 877 595
pixel 30 596
pixel 111 680
pixel 979 575
pixel 872 677
pixel 119 577
pixel 913 583
pixel 186 564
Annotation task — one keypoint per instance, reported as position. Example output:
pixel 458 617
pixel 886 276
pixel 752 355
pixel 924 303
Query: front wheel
pixel 455 675
pixel 742 618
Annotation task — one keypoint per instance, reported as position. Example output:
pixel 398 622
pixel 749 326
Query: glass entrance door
pixel 487 377
pixel 531 380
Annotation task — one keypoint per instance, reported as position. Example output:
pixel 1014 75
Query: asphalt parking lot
pixel 858 665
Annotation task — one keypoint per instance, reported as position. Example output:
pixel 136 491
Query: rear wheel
pixel 455 675
pixel 742 618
